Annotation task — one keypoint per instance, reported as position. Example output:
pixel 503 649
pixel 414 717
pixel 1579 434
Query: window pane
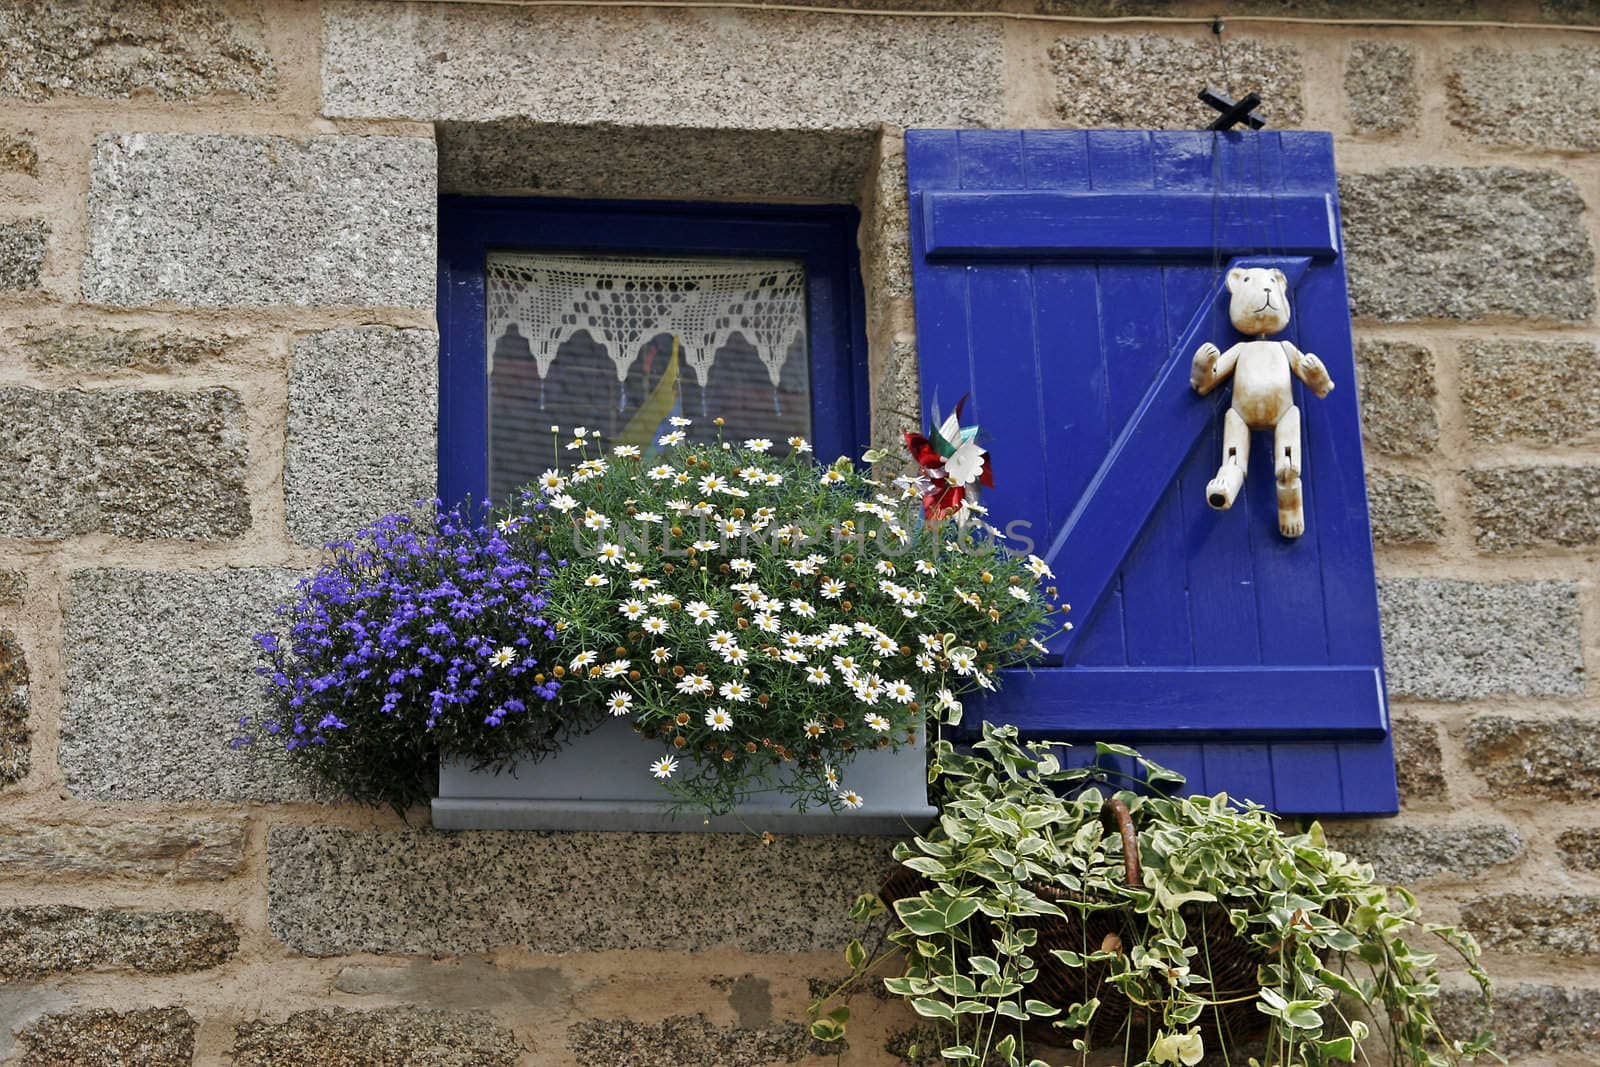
pixel 620 345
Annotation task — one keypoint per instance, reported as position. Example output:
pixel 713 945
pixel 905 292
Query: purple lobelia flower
pixel 420 634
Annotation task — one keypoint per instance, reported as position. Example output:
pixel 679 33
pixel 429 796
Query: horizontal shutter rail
pixel 1038 225
pixel 1298 703
pixel 1144 459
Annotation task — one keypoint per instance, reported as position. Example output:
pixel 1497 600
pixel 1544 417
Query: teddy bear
pixel 1262 396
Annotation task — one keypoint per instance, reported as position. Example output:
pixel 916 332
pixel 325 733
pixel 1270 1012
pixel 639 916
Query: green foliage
pixel 1011 852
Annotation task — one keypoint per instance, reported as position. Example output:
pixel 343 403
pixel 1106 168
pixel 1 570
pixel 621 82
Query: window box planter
pixel 599 782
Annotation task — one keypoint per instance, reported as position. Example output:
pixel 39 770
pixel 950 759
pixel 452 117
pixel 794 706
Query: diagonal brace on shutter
pixel 1145 457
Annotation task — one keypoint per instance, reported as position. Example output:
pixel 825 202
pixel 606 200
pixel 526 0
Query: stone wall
pixel 217 227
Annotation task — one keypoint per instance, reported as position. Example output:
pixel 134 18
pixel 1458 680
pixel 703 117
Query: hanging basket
pixel 1094 924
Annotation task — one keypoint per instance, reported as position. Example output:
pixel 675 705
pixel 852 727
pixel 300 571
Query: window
pixel 616 316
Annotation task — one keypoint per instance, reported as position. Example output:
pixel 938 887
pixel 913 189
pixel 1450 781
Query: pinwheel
pixel 951 461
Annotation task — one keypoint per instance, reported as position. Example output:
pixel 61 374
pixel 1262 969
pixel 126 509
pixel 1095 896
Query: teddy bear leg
pixel 1286 447
pixel 1286 466
pixel 1221 490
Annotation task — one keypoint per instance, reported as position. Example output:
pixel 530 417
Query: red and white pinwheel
pixel 951 462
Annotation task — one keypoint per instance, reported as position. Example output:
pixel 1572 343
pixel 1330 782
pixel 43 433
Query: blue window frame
pixel 821 238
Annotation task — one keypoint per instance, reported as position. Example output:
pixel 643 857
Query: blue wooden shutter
pixel 1064 279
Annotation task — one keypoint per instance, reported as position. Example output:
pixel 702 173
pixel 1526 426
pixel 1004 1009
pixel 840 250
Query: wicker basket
pixel 1231 960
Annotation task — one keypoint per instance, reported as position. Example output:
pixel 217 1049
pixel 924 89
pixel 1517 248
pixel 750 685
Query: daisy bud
pixel 682 719
pixel 1013 579
pixel 727 755
pixel 679 741
pixel 594 672
pixel 845 605
pixel 905 650
pixel 983 645
pixel 559 672
pixel 838 723
pixel 621 651
pixel 987 577
pixel 719 421
pixel 538 679
pixel 749 746
pixel 667 568
pixel 678 671
pixel 677 531
pixel 763 699
pixel 744 624
pixel 633 676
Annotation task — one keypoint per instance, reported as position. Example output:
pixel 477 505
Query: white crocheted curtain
pixel 621 302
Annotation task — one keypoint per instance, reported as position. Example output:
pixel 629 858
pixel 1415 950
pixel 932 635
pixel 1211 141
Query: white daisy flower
pixel 660 473
pixel 673 438
pixel 719 720
pixel 845 663
pixel 706 546
pixel 661 655
pixel 1017 592
pixel 946 701
pixel 790 655
pixel 735 655
pixel 596 521
pixel 595 581
pixel 679 421
pixel 884 645
pixel 701 613
pixel 800 444
pixel 505 657
pixel 694 684
pixel 831 477
pixel 552 482
pixel 644 585
pixel 865 692
pixel 813 729
pixel 768 622
pixel 851 799
pixel 655 625
pixel 632 566
pixel 563 502
pixel 713 483
pixel 758 444
pixel 631 609
pixel 1039 569
pixel 832 589
pixel 926 567
pixel 802 567
pixel 830 776
pixel 615 669
pixel 742 566
pixel 663 767
pixel 582 660
pixel 737 692
pixel 900 693
pixel 646 517
pixel 884 567
pixel 817 675
pixel 802 608
pixel 620 702
pixel 773 478
pixel 659 600
pixel 609 554
pixel 730 527
pixel 626 451
pixel 925 663
pixel 962 662
pixel 877 722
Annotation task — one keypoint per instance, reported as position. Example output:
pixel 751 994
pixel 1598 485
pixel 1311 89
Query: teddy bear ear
pixel 1283 282
pixel 1235 279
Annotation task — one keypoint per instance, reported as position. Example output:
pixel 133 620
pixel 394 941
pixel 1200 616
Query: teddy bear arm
pixel 1211 367
pixel 1309 369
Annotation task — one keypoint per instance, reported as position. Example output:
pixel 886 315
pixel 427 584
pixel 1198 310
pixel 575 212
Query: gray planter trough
pixel 600 781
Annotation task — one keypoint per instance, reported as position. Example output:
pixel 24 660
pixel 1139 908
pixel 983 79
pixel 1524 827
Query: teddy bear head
pixel 1260 303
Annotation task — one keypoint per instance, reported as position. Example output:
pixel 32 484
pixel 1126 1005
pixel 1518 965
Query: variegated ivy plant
pixel 1021 838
